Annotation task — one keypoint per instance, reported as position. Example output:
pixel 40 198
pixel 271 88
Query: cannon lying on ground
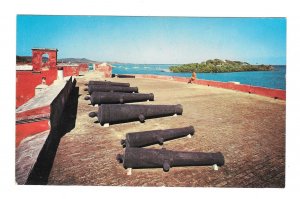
pixel 121 113
pixel 137 158
pixel 118 98
pixel 125 76
pixel 108 83
pixel 146 138
pixel 104 88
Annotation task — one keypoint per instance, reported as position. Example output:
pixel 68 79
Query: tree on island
pixel 219 66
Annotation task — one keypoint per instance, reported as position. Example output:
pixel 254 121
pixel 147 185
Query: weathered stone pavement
pixel 248 129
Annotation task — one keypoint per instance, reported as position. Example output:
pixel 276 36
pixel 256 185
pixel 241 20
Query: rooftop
pixel 67 64
pixel 51 49
pixel 248 129
pixel 24 67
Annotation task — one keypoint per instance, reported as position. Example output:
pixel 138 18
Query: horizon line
pixel 118 62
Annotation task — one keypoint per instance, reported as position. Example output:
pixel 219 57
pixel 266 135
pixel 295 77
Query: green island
pixel 219 66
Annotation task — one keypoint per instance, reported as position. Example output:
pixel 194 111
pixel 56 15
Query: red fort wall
pixel 26 81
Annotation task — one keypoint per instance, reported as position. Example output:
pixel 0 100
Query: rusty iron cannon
pixel 138 158
pixel 107 83
pixel 118 98
pixel 106 88
pixel 121 113
pixel 146 138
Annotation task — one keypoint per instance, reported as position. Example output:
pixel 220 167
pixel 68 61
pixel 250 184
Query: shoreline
pixel 270 79
pixel 258 90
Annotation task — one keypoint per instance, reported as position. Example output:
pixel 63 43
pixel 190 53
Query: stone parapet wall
pixel 83 68
pixel 106 69
pixel 26 82
pixel 37 116
pixel 268 92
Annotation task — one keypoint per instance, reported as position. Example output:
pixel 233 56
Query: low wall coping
pixel 43 98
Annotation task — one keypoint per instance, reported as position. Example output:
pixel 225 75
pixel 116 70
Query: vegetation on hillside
pixel 23 59
pixel 219 66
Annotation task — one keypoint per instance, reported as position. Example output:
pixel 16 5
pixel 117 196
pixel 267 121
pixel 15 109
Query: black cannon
pixel 108 83
pixel 118 98
pixel 146 138
pixel 104 88
pixel 126 76
pixel 121 113
pixel 137 158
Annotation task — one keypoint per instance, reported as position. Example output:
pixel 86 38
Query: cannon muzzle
pixel 92 114
pixel 138 158
pixel 119 98
pixel 108 83
pixel 146 138
pixel 122 113
pixel 120 158
pixel 107 88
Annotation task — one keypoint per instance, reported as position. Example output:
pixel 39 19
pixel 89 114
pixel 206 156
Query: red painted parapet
pixel 71 71
pixel 83 67
pixel 268 92
pixel 45 117
pixel 274 93
pixel 26 82
pixel 105 68
pixel 31 122
pixel 37 59
pixel 40 111
pixel 58 102
pixel 28 129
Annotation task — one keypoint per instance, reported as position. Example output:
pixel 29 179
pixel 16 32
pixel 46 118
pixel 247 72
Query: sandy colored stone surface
pixel 248 129
pixel 26 155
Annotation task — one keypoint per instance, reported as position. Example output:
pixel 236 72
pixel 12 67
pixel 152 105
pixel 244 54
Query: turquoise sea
pixel 270 79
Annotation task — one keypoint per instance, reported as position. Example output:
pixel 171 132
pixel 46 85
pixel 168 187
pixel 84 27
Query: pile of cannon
pixel 111 98
pixel 136 157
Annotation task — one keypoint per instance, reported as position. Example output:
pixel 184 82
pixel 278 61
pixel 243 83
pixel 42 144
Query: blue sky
pixel 155 39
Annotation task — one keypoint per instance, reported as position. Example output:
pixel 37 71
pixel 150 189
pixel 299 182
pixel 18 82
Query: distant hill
pixel 77 60
pixel 28 59
pixel 23 59
pixel 84 60
pixel 219 66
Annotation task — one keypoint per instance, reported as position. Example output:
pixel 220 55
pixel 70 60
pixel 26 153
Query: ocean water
pixel 270 79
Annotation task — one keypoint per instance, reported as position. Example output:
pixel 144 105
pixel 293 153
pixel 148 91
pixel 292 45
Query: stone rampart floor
pixel 248 129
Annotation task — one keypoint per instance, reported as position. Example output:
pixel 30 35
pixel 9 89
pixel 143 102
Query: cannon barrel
pixel 146 138
pixel 121 113
pixel 118 98
pixel 106 88
pixel 126 76
pixel 107 83
pixel 137 158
